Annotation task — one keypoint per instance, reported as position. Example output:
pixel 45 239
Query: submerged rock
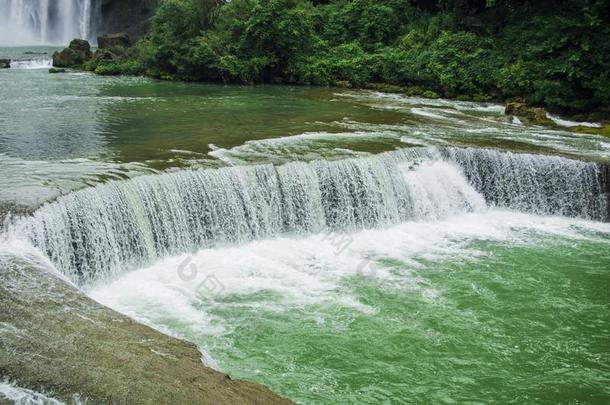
pixel 55 70
pixel 113 40
pixel 77 53
pixel 56 340
pixel 5 63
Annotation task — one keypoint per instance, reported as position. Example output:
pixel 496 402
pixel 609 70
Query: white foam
pixel 282 273
pixel 442 190
pixel 305 146
pixel 31 64
pixel 428 112
pixel 449 119
pixel 567 123
pixel 24 396
pixel 398 100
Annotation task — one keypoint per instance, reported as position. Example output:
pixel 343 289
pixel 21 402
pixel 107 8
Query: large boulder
pixel 517 108
pixel 113 40
pixel 77 53
pixel 534 115
pixel 67 58
pixel 5 63
pixel 81 46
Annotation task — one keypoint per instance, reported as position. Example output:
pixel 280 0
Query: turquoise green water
pixel 510 309
pixel 526 325
pixel 492 307
pixel 61 132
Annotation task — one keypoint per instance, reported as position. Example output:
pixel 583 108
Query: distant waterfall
pixel 101 230
pixel 41 22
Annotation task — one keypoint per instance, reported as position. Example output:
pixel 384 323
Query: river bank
pixel 57 340
pixel 116 56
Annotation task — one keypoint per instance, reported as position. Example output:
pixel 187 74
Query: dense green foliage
pixel 553 53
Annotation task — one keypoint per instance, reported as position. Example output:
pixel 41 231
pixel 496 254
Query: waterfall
pixel 100 231
pixel 45 22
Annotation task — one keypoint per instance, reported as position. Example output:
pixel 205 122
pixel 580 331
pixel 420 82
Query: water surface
pixel 467 291
pixel 61 132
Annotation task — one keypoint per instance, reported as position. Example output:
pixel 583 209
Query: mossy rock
pixel 81 46
pixel 532 115
pixel 77 53
pixel 57 70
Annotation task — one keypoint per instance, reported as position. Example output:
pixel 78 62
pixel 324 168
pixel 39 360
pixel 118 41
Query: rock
pixel 516 108
pixel 113 40
pixel 104 56
pixel 107 57
pixel 77 53
pixel 53 338
pixel 5 63
pixel 55 70
pixel 538 114
pixel 81 46
pixel 67 58
pixel 533 115
pixel 128 16
pixel 343 83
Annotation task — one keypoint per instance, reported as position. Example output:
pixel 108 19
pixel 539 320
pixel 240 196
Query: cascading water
pixel 102 230
pixel 42 22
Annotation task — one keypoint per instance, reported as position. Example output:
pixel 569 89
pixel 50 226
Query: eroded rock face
pixel 77 53
pixel 56 340
pixel 113 40
pixel 130 16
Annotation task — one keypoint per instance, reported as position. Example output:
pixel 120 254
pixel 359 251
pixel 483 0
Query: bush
pixel 131 67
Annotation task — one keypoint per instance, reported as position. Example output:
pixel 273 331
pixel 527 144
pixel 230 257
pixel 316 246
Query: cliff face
pixel 130 16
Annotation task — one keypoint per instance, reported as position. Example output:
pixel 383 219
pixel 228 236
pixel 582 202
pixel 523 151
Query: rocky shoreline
pixel 55 339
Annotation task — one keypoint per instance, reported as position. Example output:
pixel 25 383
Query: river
pixel 336 245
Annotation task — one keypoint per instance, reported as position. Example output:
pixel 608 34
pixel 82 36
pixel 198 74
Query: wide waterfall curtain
pixel 43 22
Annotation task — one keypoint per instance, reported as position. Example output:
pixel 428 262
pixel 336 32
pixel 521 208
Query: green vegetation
pixel 551 53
